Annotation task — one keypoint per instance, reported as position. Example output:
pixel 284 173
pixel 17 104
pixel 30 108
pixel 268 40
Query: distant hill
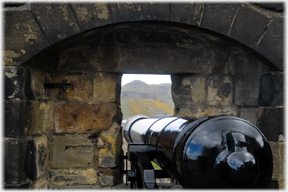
pixel 138 97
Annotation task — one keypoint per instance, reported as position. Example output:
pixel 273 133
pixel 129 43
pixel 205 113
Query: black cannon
pixel 211 152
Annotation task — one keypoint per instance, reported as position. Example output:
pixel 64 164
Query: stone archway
pixel 55 126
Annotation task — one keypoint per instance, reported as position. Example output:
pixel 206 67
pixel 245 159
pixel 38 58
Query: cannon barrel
pixel 211 152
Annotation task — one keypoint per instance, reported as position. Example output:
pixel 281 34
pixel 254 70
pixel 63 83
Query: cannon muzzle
pixel 211 152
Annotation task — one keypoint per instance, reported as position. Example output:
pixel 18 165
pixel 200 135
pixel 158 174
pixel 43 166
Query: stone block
pixel 82 87
pixel 110 177
pixel 134 58
pixel 232 47
pixel 85 118
pixel 37 157
pixel 107 87
pixel 218 17
pixel 122 12
pixel 109 155
pixel 56 20
pixel 14 118
pixel 38 117
pixel 39 184
pixel 271 89
pixel 71 151
pixel 91 15
pixel 247 89
pixel 205 111
pixel 213 60
pixel 188 89
pixel 32 118
pixel 23 83
pixel 14 161
pixel 271 122
pixel 189 13
pixel 76 58
pixel 23 37
pixel 272 44
pixel 45 117
pixel 73 177
pixel 248 26
pixel 248 63
pixel 220 90
pixel 278 152
pixel 249 114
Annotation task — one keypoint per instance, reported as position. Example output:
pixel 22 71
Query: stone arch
pixel 30 28
pixel 66 29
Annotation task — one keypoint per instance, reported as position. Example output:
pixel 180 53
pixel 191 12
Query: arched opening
pixel 80 121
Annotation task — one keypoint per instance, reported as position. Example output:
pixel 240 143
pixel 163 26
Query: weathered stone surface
pixel 188 89
pixel 56 20
pixel 85 118
pixel 272 44
pixel 107 87
pixel 14 118
pixel 271 89
pixel 271 122
pixel 129 59
pixel 122 12
pixel 24 186
pixel 115 128
pixel 22 36
pixel 90 15
pixel 32 115
pixel 189 13
pixel 71 151
pixel 247 63
pixel 212 60
pixel 23 83
pixel 248 26
pixel 247 89
pixel 278 152
pixel 204 111
pixel 37 157
pixel 82 87
pixel 110 177
pixel 218 17
pixel 39 184
pixel 39 117
pixel 249 114
pixel 73 177
pixel 220 90
pixel 109 155
pixel 231 46
pixel 45 117
pixel 14 161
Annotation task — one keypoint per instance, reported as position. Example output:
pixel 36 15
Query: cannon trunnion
pixel 212 152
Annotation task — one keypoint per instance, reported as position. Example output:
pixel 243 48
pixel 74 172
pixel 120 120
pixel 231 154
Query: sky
pixel 148 79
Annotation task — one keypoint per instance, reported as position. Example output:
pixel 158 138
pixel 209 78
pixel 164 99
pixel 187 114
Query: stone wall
pixel 69 138
pixel 62 137
pixel 248 89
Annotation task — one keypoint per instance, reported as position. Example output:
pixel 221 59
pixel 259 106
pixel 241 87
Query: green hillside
pixel 138 98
